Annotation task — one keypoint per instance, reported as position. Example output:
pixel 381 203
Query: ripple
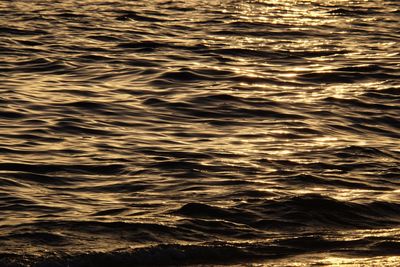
pixel 198 132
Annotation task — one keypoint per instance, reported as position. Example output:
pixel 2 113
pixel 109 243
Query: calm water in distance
pixel 195 132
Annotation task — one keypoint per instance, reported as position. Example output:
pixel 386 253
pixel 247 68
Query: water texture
pixel 197 132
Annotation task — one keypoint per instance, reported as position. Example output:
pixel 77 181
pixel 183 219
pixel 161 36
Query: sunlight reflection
pixel 367 261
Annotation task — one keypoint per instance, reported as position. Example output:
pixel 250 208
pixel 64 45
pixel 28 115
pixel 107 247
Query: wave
pixel 216 253
pixel 198 132
pixel 306 211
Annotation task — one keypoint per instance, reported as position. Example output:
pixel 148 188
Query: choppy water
pixel 199 132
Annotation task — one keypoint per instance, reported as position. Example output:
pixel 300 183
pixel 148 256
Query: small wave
pixel 70 15
pixel 30 43
pixel 144 45
pixel 43 65
pixel 344 77
pixel 307 179
pixel 392 93
pixel 365 68
pixel 86 105
pixel 52 168
pixel 22 32
pixel 359 151
pixel 223 106
pixel 40 237
pixel 310 210
pixel 127 187
pixel 11 115
pixel 240 52
pixel 358 103
pixel 135 16
pixel 352 12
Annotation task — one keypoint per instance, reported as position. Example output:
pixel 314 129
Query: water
pixel 199 132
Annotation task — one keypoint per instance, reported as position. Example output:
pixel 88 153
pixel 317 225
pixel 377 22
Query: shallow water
pixel 199 132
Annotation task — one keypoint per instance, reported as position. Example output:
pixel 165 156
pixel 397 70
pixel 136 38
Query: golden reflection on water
pixel 333 260
pixel 267 138
pixel 296 16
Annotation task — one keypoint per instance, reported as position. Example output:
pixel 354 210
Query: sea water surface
pixel 197 132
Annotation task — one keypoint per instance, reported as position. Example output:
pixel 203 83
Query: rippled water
pixel 199 132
